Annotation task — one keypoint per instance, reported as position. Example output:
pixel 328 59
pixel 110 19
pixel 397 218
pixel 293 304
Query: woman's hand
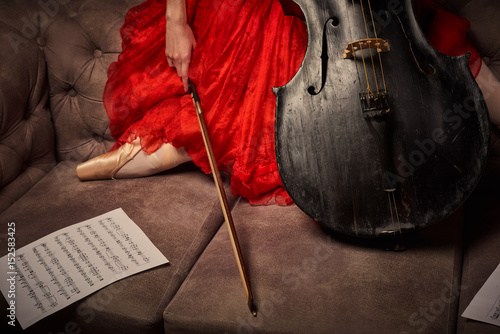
pixel 180 40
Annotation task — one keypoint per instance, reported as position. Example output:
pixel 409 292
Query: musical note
pixel 73 262
pixel 70 241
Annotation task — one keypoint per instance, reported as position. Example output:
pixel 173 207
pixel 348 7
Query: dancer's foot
pixel 130 161
pixel 107 165
pixel 143 164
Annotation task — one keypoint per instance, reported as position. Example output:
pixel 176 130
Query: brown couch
pixel 53 60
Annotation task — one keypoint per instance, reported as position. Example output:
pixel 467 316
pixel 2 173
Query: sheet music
pixel 69 264
pixel 485 306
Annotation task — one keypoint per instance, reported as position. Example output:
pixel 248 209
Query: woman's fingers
pixel 181 66
pixel 183 73
pixel 180 43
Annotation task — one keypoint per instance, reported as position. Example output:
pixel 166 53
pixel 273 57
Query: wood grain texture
pixel 437 132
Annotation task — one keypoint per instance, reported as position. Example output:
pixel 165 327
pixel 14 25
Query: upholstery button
pixel 97 53
pixel 41 41
pixel 72 92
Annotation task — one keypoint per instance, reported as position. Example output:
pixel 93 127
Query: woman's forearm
pixel 176 11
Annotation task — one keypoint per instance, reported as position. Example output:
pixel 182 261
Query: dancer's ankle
pixel 143 164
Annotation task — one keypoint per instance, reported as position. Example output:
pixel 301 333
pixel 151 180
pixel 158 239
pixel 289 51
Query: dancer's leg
pixel 130 161
pixel 490 86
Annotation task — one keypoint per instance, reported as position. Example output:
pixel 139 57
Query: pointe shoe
pixel 167 157
pixel 105 166
pixel 144 164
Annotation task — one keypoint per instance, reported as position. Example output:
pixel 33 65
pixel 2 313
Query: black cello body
pixel 378 133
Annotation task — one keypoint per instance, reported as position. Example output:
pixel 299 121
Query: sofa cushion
pixel 178 210
pixel 306 280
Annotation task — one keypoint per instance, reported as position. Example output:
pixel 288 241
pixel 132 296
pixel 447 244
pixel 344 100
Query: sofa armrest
pixel 26 130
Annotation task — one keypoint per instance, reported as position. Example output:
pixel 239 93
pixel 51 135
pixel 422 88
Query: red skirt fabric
pixel 446 31
pixel 244 48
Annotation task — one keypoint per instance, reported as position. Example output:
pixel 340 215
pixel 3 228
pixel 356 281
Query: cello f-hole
pixel 334 21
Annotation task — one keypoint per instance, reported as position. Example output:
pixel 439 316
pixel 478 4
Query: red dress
pixel 244 48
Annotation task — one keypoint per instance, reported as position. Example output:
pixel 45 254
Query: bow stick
pixel 222 198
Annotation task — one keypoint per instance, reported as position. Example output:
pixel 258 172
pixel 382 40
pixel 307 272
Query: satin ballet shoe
pixel 167 157
pixel 105 167
pixel 144 164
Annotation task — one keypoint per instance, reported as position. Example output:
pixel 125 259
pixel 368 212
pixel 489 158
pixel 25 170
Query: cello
pixel 377 133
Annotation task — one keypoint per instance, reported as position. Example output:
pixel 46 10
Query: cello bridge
pixel 379 44
pixel 374 104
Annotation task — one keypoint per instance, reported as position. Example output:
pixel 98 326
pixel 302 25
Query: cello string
pixel 390 209
pixel 370 49
pixel 392 199
pixel 390 194
pixel 352 49
pixel 396 212
pixel 361 48
pixel 376 36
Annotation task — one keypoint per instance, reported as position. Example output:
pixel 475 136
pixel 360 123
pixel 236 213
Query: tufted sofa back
pixel 79 42
pixel 53 64
pixel 79 39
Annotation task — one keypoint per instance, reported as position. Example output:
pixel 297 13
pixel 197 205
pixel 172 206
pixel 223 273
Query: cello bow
pixel 223 199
